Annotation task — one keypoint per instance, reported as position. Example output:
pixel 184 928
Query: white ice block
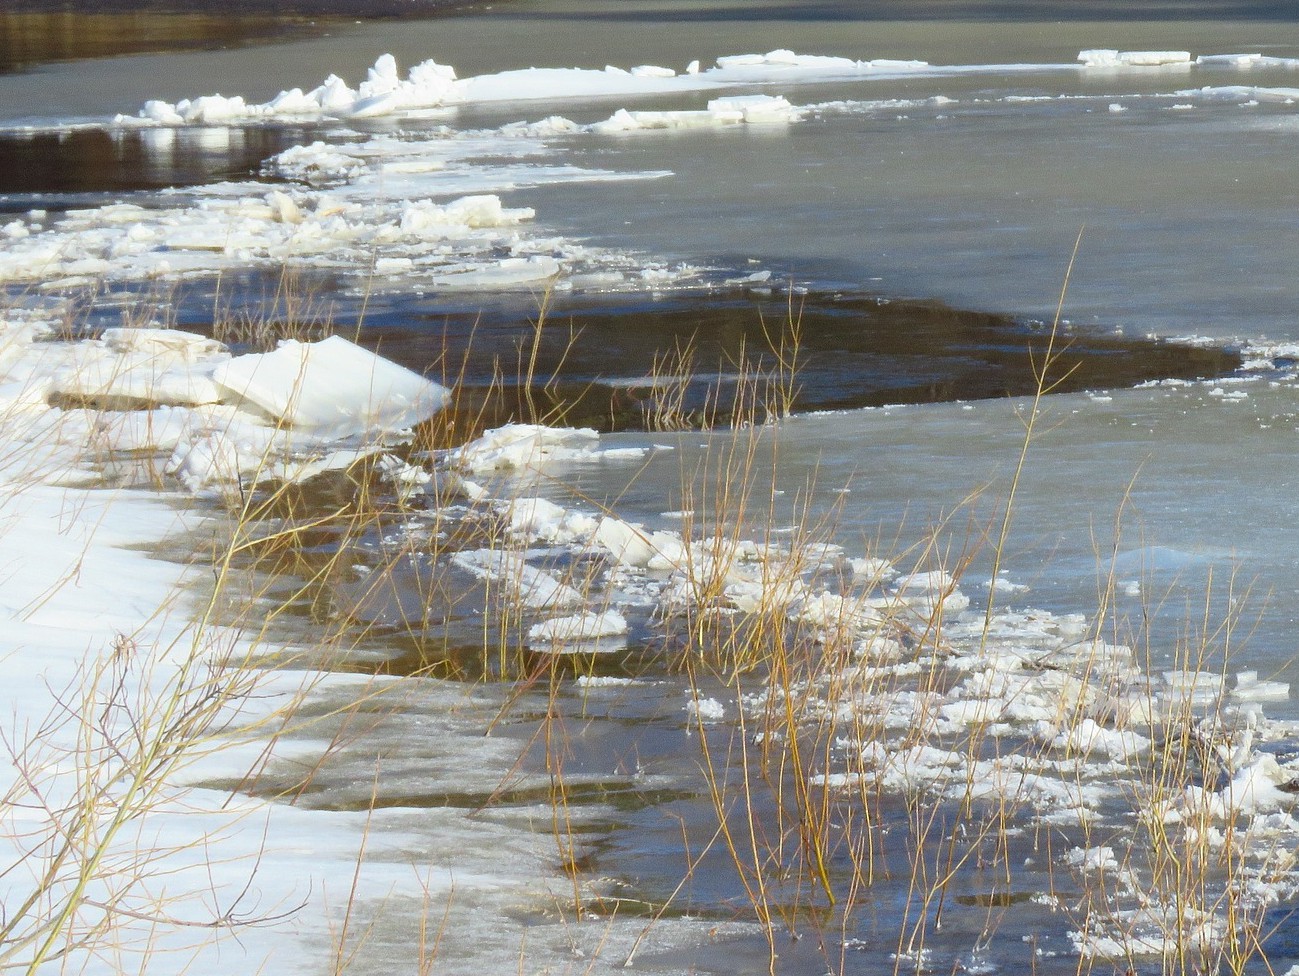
pixel 332 388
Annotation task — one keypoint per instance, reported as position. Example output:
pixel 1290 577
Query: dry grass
pixel 843 782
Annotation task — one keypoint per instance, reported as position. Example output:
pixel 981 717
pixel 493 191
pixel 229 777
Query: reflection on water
pixel 851 352
pixel 605 361
pixel 109 160
pixel 28 39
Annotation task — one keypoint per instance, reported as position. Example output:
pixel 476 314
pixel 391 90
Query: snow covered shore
pixel 121 690
pixel 118 689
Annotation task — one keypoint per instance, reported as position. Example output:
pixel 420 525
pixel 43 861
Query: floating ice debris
pixel 531 520
pixel 1002 585
pixel 176 344
pixel 1226 396
pixel 925 581
pixel 1092 859
pixel 606 681
pixel 1148 932
pixel 734 110
pixel 503 274
pixel 757 278
pixel 835 613
pixel 1250 688
pixel 632 545
pixel 1254 60
pixel 242 225
pixel 223 448
pixel 581 628
pixel 531 587
pixel 519 447
pixel 151 366
pixel 1193 688
pixel 1106 58
pixel 929 591
pixel 332 387
pixel 1243 94
pixel 316 163
pixel 872 567
pixel 1262 786
pixel 652 71
pixel 405 477
pixel 430 86
pixel 704 710
pixel 290 414
pixel 1089 739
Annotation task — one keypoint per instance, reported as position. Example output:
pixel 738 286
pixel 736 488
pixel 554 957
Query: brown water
pixel 28 39
pixel 607 362
pixel 121 161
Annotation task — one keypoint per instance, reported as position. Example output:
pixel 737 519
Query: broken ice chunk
pixel 332 388
pixel 1250 688
pixel 1108 58
pixel 582 628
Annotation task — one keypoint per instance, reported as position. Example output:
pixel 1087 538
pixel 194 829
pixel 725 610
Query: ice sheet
pixel 430 85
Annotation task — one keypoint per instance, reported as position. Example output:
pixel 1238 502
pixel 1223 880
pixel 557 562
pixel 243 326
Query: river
pixel 975 178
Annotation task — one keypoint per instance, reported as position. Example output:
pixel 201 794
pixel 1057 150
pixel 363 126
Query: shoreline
pixel 342 9
pixel 35 33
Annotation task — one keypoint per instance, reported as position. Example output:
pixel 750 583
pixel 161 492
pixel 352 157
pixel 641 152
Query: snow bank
pixel 100 654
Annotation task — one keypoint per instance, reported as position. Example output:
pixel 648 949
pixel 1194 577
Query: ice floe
pixel 249 227
pixel 587 630
pixel 396 211
pixel 425 211
pixel 1105 58
pixel 332 388
pixel 430 86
